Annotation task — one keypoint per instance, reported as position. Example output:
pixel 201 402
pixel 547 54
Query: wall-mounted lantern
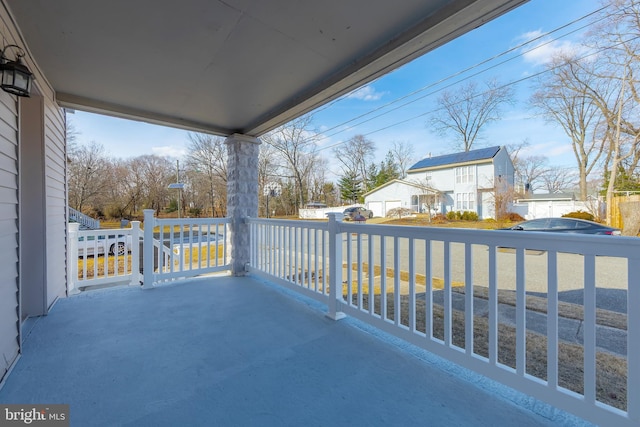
pixel 16 77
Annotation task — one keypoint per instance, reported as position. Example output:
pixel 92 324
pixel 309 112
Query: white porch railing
pixel 101 257
pixel 179 249
pixel 190 247
pixel 421 289
pixel 83 219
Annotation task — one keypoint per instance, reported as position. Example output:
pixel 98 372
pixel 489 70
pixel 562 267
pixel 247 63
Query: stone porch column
pixel 242 196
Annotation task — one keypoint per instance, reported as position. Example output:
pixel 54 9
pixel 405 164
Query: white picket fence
pixel 414 271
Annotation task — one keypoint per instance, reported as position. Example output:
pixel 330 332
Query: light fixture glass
pixel 16 77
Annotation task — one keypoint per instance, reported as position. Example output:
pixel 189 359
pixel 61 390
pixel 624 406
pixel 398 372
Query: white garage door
pixel 391 204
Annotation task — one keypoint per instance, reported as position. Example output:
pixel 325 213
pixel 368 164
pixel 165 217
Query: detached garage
pixel 397 194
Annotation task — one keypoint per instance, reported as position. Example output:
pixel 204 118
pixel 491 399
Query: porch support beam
pixel 242 196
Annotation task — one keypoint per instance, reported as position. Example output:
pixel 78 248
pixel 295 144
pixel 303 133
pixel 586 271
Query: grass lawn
pixel 101 265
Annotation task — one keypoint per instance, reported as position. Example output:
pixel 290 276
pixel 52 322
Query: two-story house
pixel 467 181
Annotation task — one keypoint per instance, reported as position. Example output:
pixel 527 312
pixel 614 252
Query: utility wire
pixel 512 83
pixel 450 77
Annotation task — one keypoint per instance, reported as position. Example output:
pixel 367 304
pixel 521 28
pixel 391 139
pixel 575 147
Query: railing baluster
pixel 349 269
pixel 633 338
pixel 412 285
pixel 521 313
pixel 493 306
pixel 428 293
pixel 359 264
pixel 383 277
pixel 468 299
pixel 447 293
pixel 552 319
pixel 309 255
pixel 315 260
pixel 372 275
pixel 396 281
pixel 271 254
pixel 589 343
pixel 325 262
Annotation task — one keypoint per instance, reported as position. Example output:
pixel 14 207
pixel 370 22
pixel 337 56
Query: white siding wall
pixel 441 179
pixel 485 176
pixel 504 166
pixel 391 196
pixel 9 314
pixel 54 202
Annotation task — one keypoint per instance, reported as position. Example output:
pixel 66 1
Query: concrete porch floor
pixel 229 351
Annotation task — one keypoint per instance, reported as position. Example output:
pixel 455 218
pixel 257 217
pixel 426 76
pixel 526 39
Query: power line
pixel 512 83
pixel 456 74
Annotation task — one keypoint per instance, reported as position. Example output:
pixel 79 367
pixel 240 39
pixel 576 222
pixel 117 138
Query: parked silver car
pixel 350 214
pixel 99 245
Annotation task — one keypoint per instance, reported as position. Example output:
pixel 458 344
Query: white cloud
pixel 366 93
pixel 543 49
pixel 169 151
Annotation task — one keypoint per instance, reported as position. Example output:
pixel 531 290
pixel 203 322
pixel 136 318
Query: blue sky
pixel 124 138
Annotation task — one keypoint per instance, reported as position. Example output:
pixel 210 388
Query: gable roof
pixel 402 182
pixel 455 158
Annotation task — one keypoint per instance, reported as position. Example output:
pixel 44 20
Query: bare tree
pixel 317 180
pixel 356 156
pixel 206 162
pixel 295 145
pixel 514 151
pixel 463 114
pixel 402 153
pixel 563 97
pixel 530 171
pixel 617 37
pixel 87 170
pixel 156 173
pixel 123 187
pixel 556 179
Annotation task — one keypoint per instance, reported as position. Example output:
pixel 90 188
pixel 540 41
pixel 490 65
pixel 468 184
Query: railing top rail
pixel 319 225
pixel 192 221
pixel 617 246
pixel 104 232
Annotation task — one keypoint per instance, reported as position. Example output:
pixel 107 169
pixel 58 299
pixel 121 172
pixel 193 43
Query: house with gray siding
pixel 466 181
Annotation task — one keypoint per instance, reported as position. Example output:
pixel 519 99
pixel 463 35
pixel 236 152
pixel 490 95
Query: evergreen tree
pixel 624 181
pixel 387 171
pixel 350 187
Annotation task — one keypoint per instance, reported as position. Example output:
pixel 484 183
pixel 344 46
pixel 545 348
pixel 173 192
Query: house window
pixel 464 174
pixel 465 202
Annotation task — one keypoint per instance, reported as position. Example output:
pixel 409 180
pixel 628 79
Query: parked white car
pixel 99 245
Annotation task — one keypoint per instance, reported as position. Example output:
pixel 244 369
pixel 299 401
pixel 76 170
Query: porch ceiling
pixel 229 66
